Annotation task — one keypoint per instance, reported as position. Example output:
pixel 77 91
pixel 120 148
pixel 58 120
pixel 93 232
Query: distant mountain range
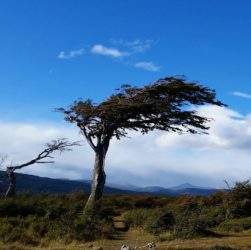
pixel 38 184
pixel 185 188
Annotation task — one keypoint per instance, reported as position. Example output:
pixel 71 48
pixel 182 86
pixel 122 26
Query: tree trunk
pixel 12 183
pixel 98 180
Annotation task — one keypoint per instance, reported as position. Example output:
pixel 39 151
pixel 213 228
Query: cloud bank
pixel 158 158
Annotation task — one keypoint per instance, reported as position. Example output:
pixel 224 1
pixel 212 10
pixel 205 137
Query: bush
pixel 28 219
pixel 154 221
pixel 239 200
pixel 161 223
pixel 236 225
pixel 88 228
pixel 137 218
pixel 192 218
pixel 191 227
pixel 15 229
pixel 212 216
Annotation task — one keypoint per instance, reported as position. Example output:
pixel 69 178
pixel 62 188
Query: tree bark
pixel 11 191
pixel 98 180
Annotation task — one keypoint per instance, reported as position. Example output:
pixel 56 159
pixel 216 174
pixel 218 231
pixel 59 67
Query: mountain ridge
pixel 37 184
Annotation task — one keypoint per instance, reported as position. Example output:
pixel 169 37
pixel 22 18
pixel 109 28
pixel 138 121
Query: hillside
pixel 36 184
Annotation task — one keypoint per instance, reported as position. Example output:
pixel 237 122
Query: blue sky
pixel 208 41
pixel 53 52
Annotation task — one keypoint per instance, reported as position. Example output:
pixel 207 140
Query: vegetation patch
pixel 37 220
pixel 236 225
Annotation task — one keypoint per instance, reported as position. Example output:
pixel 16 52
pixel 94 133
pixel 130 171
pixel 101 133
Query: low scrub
pixel 28 219
pixel 239 200
pixel 32 219
pixel 236 225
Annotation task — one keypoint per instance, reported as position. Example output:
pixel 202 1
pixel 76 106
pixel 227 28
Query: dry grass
pixel 232 242
pixel 140 238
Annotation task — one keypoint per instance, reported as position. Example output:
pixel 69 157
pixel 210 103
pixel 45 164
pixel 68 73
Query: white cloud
pixel 105 51
pixel 150 66
pixel 241 94
pixel 130 49
pixel 158 158
pixel 70 54
pixel 228 130
pixel 135 46
pixel 139 46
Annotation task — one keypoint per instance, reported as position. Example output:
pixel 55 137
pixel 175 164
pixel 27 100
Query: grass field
pixel 139 238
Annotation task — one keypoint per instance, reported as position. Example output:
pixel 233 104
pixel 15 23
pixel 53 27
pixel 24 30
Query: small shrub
pixel 190 227
pixel 91 226
pixel 136 218
pixel 163 222
pixel 191 219
pixel 38 226
pixel 239 200
pixel 154 221
pixel 32 219
pixel 236 225
pixel 14 230
pixel 213 215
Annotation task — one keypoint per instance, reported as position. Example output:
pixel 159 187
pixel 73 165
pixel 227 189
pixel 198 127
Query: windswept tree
pixel 59 145
pixel 168 105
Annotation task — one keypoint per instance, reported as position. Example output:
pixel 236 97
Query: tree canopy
pixel 163 105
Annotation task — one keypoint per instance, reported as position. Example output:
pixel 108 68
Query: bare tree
pixel 162 105
pixel 60 145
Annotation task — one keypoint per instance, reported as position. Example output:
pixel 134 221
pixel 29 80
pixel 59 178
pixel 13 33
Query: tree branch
pixel 89 139
pixel 60 145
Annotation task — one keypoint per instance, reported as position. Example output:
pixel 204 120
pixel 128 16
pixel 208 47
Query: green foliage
pixel 152 220
pixel 183 217
pixel 239 200
pixel 190 226
pixel 28 218
pixel 189 219
pixel 89 226
pixel 236 225
pixel 156 106
pixel 163 222
pixel 16 229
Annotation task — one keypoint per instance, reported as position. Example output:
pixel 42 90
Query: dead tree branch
pixel 59 145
